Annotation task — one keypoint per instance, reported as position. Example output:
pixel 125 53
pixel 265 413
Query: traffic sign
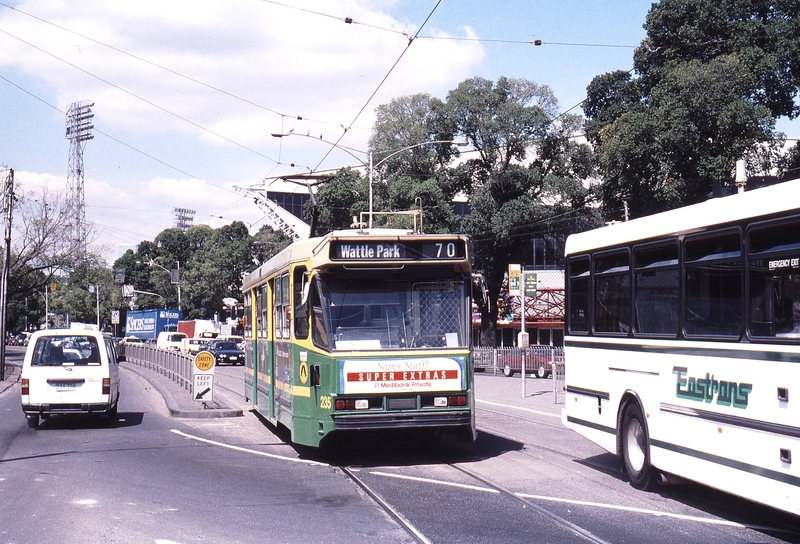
pixel 203 387
pixel 204 362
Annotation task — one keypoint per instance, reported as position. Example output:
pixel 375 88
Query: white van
pixel 170 340
pixel 69 371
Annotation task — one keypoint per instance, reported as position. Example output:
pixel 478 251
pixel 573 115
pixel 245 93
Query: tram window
pixel 285 304
pixel 263 308
pixel 319 323
pixel 713 276
pixel 300 303
pixel 578 295
pixel 656 292
pixel 612 293
pixel 774 280
pixel 248 312
pixel 282 306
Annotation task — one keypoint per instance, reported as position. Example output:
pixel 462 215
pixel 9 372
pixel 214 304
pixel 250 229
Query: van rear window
pixel 58 350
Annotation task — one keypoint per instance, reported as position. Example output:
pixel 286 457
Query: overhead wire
pixel 371 96
pixel 167 69
pixel 134 95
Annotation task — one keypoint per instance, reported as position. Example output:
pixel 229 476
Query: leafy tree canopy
pixel 711 79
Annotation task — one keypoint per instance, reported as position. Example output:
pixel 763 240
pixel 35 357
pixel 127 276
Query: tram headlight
pixel 440 402
pixel 362 404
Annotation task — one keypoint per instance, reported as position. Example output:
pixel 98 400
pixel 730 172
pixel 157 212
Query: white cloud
pixel 272 57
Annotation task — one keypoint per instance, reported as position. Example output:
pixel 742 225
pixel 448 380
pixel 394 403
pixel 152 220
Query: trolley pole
pixel 8 205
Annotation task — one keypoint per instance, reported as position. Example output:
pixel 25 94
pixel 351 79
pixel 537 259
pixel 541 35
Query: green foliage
pixel 528 179
pixel 712 77
pixel 212 263
pixel 341 198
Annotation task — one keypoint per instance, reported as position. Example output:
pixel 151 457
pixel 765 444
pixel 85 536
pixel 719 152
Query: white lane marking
pixel 558 416
pixel 246 450
pixel 655 513
pixel 439 482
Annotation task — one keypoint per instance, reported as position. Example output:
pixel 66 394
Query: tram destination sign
pixel 388 250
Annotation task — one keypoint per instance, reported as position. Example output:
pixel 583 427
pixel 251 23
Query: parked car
pixel 538 360
pixel 225 352
pixel 69 371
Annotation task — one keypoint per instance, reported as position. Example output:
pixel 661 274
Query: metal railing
pixel 540 361
pixel 170 363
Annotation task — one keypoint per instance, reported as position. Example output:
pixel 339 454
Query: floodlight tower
pixel 79 119
pixel 184 218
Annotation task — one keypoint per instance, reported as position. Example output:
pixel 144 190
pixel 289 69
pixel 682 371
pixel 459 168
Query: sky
pixel 187 93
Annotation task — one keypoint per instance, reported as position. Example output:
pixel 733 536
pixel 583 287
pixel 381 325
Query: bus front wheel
pixel 636 449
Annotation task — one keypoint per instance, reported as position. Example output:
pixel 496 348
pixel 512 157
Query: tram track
pixel 412 531
pixel 487 486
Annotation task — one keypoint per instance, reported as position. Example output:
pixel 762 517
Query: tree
pixel 712 77
pixel 40 253
pixel 267 243
pixel 216 272
pixel 341 198
pixel 400 126
pixel 528 178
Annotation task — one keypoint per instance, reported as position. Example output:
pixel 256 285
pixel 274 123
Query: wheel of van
pixel 636 449
pixel 112 413
pixel 507 372
pixel 33 421
pixel 541 371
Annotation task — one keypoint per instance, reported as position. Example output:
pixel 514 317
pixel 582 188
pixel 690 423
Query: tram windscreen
pixel 376 314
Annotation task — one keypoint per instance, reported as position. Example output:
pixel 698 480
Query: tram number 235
pixel 325 403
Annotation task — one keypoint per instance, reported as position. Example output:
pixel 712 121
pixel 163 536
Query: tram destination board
pixel 393 250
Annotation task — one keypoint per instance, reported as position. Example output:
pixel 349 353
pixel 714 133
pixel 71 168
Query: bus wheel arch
pixel 633 445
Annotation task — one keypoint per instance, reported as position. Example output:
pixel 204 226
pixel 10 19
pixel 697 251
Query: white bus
pixel 683 344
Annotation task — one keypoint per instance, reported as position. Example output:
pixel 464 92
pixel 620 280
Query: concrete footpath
pixel 179 399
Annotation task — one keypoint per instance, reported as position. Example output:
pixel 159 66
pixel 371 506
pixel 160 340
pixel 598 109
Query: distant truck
pixel 199 328
pixel 146 324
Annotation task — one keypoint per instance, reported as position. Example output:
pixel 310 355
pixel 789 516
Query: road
pixel 152 478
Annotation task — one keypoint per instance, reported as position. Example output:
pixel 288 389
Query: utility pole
pixel 8 206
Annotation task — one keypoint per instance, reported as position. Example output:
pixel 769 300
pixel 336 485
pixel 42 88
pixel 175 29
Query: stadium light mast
pixel 79 126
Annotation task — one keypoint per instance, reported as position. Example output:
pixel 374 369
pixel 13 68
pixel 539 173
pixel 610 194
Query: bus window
pixel 578 295
pixel 713 276
pixel 774 279
pixel 656 293
pixel 612 293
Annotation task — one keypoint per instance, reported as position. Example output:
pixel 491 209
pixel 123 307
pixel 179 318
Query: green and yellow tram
pixel 362 330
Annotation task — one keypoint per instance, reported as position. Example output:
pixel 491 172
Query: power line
pixel 351 21
pixel 402 54
pixel 110 137
pixel 175 72
pixel 153 104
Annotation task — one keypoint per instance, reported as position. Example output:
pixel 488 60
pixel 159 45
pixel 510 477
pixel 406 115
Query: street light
pixel 371 167
pixel 95 288
pixel 174 279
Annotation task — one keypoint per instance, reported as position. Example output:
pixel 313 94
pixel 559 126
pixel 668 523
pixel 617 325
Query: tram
pixel 362 330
